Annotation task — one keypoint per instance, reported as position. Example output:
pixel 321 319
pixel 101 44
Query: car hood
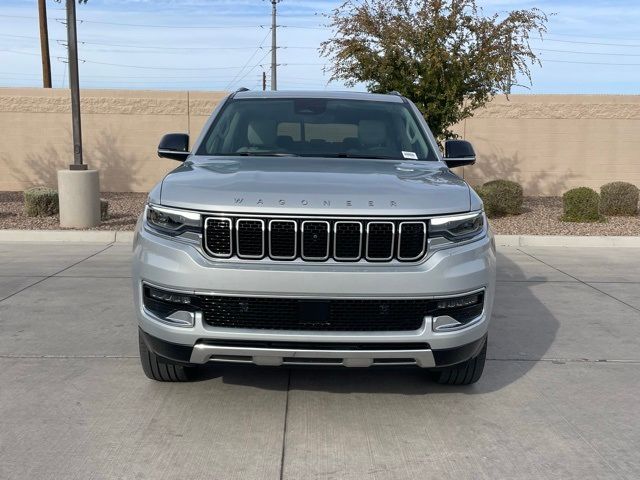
pixel 297 185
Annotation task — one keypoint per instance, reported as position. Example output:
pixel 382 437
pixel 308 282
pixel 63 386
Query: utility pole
pixel 74 83
pixel 78 187
pixel 274 60
pixel 264 81
pixel 44 44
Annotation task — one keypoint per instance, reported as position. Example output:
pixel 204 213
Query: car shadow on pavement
pixel 522 330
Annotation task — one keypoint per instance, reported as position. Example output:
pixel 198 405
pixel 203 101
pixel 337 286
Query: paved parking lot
pixel 559 398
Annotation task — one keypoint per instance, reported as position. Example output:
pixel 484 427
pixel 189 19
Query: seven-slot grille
pixel 343 240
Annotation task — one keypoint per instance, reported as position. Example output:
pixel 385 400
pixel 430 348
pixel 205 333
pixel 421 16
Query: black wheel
pixel 160 368
pixel 464 373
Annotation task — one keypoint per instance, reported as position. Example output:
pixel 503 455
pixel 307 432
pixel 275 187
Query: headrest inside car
pixel 372 132
pixel 262 132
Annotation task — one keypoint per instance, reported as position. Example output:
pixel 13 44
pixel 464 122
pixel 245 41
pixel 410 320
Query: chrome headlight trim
pixel 454 230
pixel 173 223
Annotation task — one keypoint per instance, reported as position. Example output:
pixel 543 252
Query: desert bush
pixel 501 197
pixel 581 204
pixel 619 198
pixel 104 209
pixel 41 202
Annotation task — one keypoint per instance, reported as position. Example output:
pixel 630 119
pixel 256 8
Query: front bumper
pixel 277 354
pixel 182 267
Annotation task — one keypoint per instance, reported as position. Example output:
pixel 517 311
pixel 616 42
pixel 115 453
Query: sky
pixel 591 46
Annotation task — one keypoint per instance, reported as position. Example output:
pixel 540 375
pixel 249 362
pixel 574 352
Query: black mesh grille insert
pixel 348 236
pixel 315 240
pixel 218 236
pixel 380 240
pixel 283 238
pixel 412 240
pixel 328 315
pixel 250 238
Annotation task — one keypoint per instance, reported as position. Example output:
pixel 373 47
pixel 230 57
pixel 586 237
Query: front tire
pixel 465 373
pixel 162 369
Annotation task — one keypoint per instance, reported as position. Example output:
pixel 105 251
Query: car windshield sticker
pixel 411 155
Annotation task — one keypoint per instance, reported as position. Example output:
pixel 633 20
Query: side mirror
pixel 458 153
pixel 174 146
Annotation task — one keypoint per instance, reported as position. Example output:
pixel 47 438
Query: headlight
pixel 172 221
pixel 458 228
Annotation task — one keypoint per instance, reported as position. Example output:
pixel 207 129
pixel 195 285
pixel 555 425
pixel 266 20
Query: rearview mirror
pixel 458 153
pixel 174 146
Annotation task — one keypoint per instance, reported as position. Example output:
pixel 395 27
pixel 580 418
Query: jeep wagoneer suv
pixel 314 228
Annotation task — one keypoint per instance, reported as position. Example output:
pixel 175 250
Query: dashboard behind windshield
pixel 316 127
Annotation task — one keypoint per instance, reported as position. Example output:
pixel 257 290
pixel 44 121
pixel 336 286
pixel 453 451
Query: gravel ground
pixel 124 209
pixel 541 217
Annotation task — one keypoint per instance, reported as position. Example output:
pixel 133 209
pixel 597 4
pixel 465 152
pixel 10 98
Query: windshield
pixel 317 127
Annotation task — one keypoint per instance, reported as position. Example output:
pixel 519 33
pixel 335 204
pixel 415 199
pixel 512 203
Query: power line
pixel 20 53
pixel 251 69
pixel 159 47
pixel 158 68
pixel 595 63
pixel 634 45
pixel 589 53
pixel 249 60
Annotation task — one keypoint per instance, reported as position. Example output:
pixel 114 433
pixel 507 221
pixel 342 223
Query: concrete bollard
pixel 79 197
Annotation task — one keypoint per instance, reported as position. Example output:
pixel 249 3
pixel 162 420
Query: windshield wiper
pixel 354 155
pixel 259 154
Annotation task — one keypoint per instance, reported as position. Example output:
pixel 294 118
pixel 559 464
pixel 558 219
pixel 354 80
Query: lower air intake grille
pixel 328 315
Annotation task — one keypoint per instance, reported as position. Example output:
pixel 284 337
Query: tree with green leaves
pixel 445 55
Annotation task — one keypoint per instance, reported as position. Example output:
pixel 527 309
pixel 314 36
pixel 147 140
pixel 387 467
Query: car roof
pixel 342 95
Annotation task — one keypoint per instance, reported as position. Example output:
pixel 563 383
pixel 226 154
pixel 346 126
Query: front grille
pixel 343 240
pixel 380 236
pixel 218 238
pixel 315 240
pixel 301 314
pixel 250 238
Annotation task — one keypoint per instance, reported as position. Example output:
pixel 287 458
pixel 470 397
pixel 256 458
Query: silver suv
pixel 314 228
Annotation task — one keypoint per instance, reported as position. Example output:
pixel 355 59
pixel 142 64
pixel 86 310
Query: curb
pixel 565 241
pixel 126 236
pixel 66 236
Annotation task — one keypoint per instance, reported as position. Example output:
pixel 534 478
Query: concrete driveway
pixel 560 397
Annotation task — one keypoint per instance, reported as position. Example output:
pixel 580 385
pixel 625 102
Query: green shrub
pixel 104 209
pixel 501 197
pixel 40 202
pixel 581 204
pixel 619 198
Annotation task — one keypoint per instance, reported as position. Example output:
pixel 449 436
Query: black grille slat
pixel 218 236
pixel 412 240
pixel 282 238
pixel 325 315
pixel 315 240
pixel 341 239
pixel 250 238
pixel 347 240
pixel 380 237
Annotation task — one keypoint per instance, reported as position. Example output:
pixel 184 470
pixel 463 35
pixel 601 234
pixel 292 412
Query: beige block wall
pixel 121 130
pixel 549 143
